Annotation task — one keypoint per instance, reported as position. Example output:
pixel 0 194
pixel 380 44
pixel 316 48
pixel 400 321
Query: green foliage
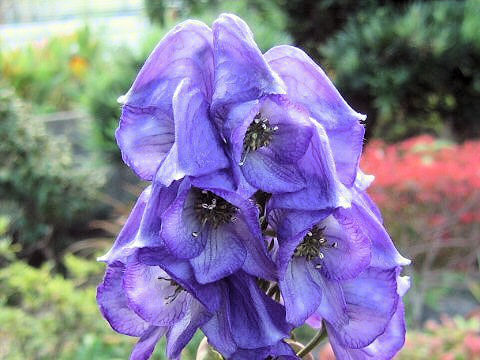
pixel 41 188
pixel 47 316
pixel 101 96
pixel 51 75
pixel 412 71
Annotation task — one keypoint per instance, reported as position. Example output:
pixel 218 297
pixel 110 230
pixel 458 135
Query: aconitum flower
pixel 256 220
pixel 125 299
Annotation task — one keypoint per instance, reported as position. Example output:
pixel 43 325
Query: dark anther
pixel 178 289
pixel 212 209
pixel 312 244
pixel 259 134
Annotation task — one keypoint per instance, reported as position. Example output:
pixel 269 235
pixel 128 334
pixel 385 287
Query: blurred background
pixel 413 67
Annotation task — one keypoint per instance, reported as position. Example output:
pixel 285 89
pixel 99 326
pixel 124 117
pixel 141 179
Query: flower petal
pixel 180 226
pixel 384 253
pixel 127 235
pixel 185 52
pixel 300 293
pixel 181 271
pixel 308 85
pixel 371 300
pixel 142 283
pixel 291 139
pixel 241 73
pixel 145 346
pixel 263 171
pixel 322 190
pixel 256 320
pixel 145 136
pixel 383 348
pixel 180 334
pixel 146 131
pixel 197 150
pixel 113 304
pixel 223 254
pixel 352 251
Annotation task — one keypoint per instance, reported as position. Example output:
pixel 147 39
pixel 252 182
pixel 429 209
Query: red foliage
pixel 428 171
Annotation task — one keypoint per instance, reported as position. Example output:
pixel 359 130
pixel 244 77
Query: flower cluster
pixel 256 220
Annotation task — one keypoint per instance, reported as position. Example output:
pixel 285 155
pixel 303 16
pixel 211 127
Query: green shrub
pixel 412 71
pixel 41 188
pixel 52 75
pixel 47 316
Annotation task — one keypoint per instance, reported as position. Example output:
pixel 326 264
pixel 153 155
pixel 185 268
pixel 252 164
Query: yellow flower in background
pixel 78 65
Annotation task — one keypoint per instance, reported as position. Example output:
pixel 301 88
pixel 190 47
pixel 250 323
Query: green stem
pixel 322 334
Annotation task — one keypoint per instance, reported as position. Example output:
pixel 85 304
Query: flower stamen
pixel 312 245
pixel 259 134
pixel 212 209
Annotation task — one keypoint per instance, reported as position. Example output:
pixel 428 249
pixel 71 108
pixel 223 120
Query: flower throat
pixel 259 134
pixel 312 244
pixel 212 209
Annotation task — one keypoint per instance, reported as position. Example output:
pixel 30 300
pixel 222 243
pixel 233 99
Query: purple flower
pixel 275 142
pixel 217 230
pixel 165 124
pixel 247 321
pixel 255 190
pixel 125 299
pixel 386 345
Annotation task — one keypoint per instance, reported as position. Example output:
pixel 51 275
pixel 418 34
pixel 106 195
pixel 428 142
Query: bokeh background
pixel 413 67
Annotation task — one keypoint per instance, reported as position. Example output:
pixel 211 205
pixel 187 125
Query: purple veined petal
pixel 129 231
pixel 180 334
pixel 152 296
pixel 218 329
pixel 255 319
pixel 384 253
pixel 323 190
pixel 222 256
pixel 386 345
pixel 220 180
pixel 291 139
pixel 181 227
pixel 161 198
pixel 347 146
pixel 300 293
pixel 146 131
pixel 185 52
pixel 383 348
pixel 294 223
pixel 241 73
pixel 308 85
pixel 146 344
pixel 263 171
pixel 246 228
pixel 197 150
pixel 145 136
pixel 114 306
pixel 333 307
pixel 371 300
pixel 348 249
pixel 182 272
